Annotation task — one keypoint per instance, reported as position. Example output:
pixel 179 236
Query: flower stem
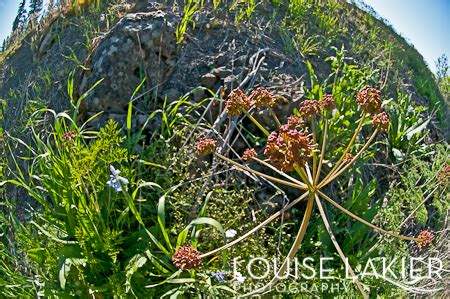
pixel 333 176
pixel 364 221
pixel 322 153
pixel 336 245
pixel 256 228
pixel 274 116
pixel 280 172
pixel 270 178
pixel 257 124
pixel 301 172
pixel 358 129
pixel 295 247
pixel 314 154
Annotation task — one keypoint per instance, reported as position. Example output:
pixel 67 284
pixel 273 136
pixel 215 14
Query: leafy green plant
pixel 190 8
pixel 408 127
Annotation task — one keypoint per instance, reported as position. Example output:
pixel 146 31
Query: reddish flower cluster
pixel 381 121
pixel 68 138
pixel 327 102
pixel 348 158
pixel 248 154
pixel 295 122
pixel 288 147
pixel 369 100
pixel 69 135
pixel 262 98
pixel 205 146
pixel 186 258
pixel 310 108
pixel 237 103
pixel 426 237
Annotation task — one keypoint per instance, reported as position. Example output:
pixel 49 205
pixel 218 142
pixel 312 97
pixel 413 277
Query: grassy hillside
pixel 149 146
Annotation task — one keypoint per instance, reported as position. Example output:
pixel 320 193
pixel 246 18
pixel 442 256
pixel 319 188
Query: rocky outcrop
pixel 142 45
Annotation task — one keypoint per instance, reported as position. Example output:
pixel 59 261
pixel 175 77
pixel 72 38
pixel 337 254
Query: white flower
pixel 239 277
pixel 115 179
pixel 230 233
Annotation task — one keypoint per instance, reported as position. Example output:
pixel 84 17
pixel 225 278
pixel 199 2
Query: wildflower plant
pixel 295 154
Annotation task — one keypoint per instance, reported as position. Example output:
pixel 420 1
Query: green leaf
pixel 134 264
pixel 65 269
pixel 202 220
pixel 416 129
pixel 162 220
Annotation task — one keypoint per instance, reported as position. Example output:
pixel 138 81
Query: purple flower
pixel 219 275
pixel 115 179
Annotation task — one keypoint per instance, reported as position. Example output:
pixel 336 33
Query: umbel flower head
pixel 262 98
pixel 327 102
pixel 295 122
pixel 288 147
pixel 426 237
pixel 369 100
pixel 381 121
pixel 237 103
pixel 187 257
pixel 310 108
pixel 248 154
pixel 205 146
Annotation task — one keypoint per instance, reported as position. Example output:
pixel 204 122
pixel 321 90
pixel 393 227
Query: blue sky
pixel 425 23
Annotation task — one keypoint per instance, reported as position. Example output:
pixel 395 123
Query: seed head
pixel 381 121
pixel 295 122
pixel 248 154
pixel 237 103
pixel 327 102
pixel 426 237
pixel 369 100
pixel 262 98
pixel 310 108
pixel 186 257
pixel 288 147
pixel 205 146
